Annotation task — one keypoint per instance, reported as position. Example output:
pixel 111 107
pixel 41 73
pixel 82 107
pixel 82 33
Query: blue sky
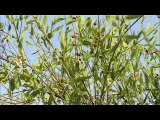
pixel 149 20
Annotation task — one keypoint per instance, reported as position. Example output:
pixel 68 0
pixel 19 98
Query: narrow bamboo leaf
pixel 1 25
pixel 34 93
pixel 2 76
pixel 58 28
pixel 13 84
pixel 50 35
pixel 30 21
pixel 77 66
pixel 17 25
pixel 70 22
pixel 145 36
pixel 103 30
pixel 29 43
pixel 32 31
pixel 132 36
pixel 113 92
pixel 112 74
pixel 57 20
pixel 132 16
pixel 114 23
pixel 84 78
pixel 124 44
pixel 9 17
pixel 112 36
pixel 51 99
pixel 154 64
pixel 88 22
pixel 44 20
pixel 9 27
pixel 86 42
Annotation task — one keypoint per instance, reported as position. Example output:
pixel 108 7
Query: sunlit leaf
pixel 124 44
pixel 44 20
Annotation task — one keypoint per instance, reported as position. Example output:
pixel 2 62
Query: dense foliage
pixel 100 60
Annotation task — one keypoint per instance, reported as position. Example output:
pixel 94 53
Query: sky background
pixel 149 20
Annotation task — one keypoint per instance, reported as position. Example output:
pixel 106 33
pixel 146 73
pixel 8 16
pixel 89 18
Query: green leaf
pixel 113 92
pixel 91 52
pixel 30 21
pixel 32 31
pixel 36 65
pixel 86 42
pixel 50 35
pixel 51 99
pixel 56 20
pixel 77 66
pixel 120 88
pixel 103 30
pixel 145 36
pixel 26 76
pixel 79 79
pixel 2 75
pixel 112 74
pixel 1 25
pixel 34 93
pixel 17 25
pixel 58 28
pixel 154 64
pixel 132 36
pixel 124 44
pixel 9 27
pixel 34 82
pixel 70 22
pixel 133 54
pixel 88 22
pixel 13 84
pixel 9 17
pixel 44 20
pixel 29 43
pixel 5 65
pixel 114 23
pixel 132 16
